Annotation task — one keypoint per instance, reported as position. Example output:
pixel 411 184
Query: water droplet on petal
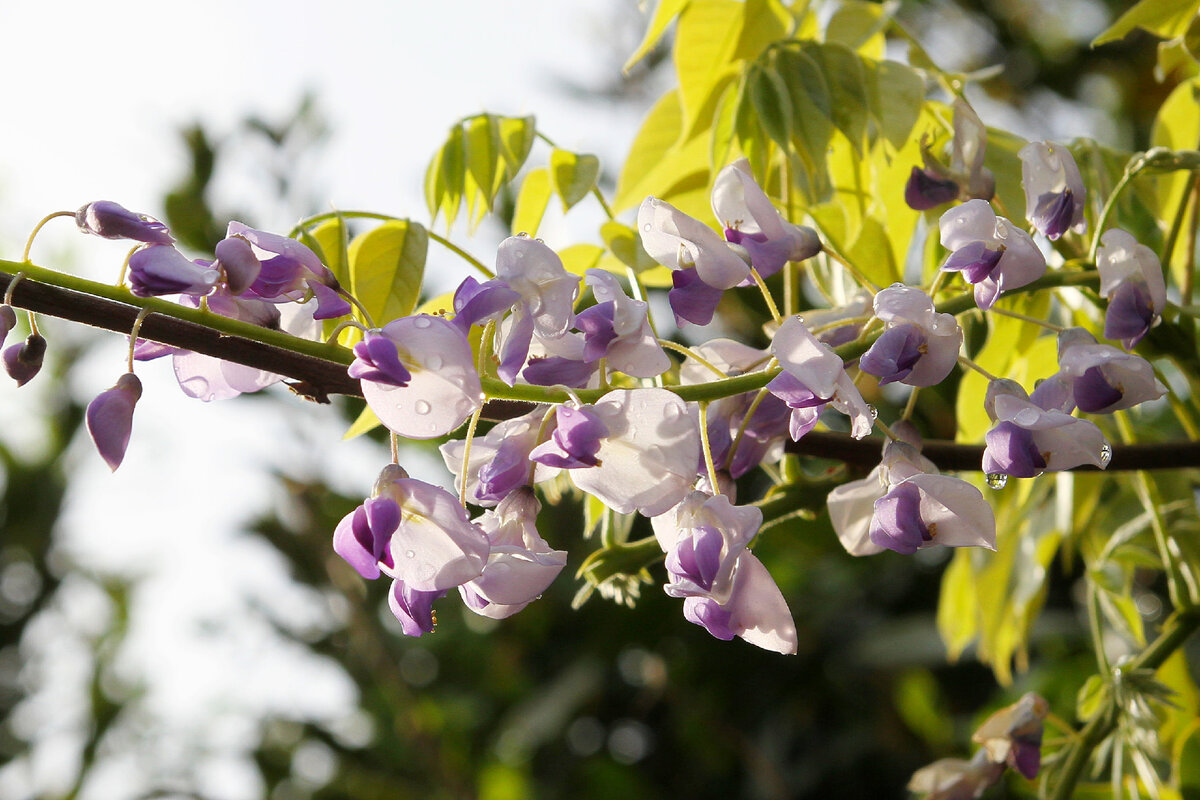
pixel 540 241
pixel 1105 455
pixel 434 361
pixel 410 554
pixel 897 285
pixel 421 407
pixel 647 227
pixel 422 322
pixel 522 235
pixel 672 412
pixel 996 480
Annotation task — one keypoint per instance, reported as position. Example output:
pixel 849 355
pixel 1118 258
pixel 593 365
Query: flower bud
pixel 235 257
pixel 161 269
pixel 23 361
pixel 8 320
pixel 110 418
pixel 109 220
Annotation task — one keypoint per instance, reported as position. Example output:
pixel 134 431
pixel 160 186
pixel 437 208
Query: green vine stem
pixel 1178 628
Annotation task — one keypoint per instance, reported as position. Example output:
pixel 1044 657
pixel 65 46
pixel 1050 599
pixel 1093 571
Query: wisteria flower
pixel 1131 278
pixel 1028 439
pixel 814 376
pixel 443 389
pixel 751 221
pixel 110 220
pixel 520 565
pixel 288 270
pixel 499 462
pixel 1103 378
pixel 617 328
pixel 161 269
pixel 726 589
pixel 110 418
pixel 989 251
pixel 956 778
pixel 935 185
pixel 919 346
pixel 679 242
pixel 23 361
pixel 649 459
pixel 1013 735
pixel 1054 194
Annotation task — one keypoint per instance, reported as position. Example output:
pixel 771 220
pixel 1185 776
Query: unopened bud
pixel 24 360
pixel 110 418
pixel 110 220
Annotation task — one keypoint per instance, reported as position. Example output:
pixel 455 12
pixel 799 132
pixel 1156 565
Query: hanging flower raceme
pixel 751 221
pixel 905 504
pixel 1054 194
pixel 991 253
pixel 1029 439
pixel 520 564
pixel 1103 378
pixel 418 535
pixel 813 377
pixel 1131 279
pixel 109 220
pixel 442 388
pixel 726 589
pixel 110 418
pixel 919 346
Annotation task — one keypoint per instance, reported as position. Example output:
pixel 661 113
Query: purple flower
pixel 680 242
pixel 109 220
pixel 956 778
pixel 1013 735
pixel 617 328
pixel 236 260
pixel 1028 439
pixel 8 320
pixel 288 270
pixel 990 251
pixel 926 189
pixel 919 346
pixel 413 608
pixel 1103 378
pixel 1054 193
pixel 24 360
pixel 813 376
pixel 443 388
pixel 499 461
pixel 575 440
pixel 161 269
pixel 751 221
pixel 1131 278
pixel 377 359
pixel 692 300
pixel 110 418
pixel 726 589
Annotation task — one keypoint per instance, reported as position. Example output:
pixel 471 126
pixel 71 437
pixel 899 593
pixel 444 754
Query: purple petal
pixel 894 354
pixel 24 360
pixel 1026 754
pixel 897 524
pixel 926 190
pixel 278 276
pixel 112 221
pixel 354 542
pixel 515 350
pixel 476 302
pixel 235 257
pixel 598 330
pixel 1053 213
pixel 330 304
pixel 508 470
pixel 376 358
pixel 697 558
pixel 383 518
pixel 413 608
pixel 575 441
pixel 705 612
pixel 1129 315
pixel 8 320
pixel 110 418
pixel 161 269
pixel 558 370
pixel 767 255
pixel 1094 393
pixel 976 261
pixel 692 300
pixel 1011 451
pixel 793 392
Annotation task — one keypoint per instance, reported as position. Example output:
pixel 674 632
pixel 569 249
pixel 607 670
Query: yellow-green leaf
pixel 772 103
pixel 579 258
pixel 897 94
pixel 812 117
pixel 483 153
pixel 1163 18
pixel 859 25
pixel 573 174
pixel 657 165
pixel 444 178
pixel 532 201
pixel 387 265
pixel 331 240
pixel 845 77
pixel 367 421
pixel 1177 127
pixel 706 39
pixel 666 11
pixel 624 243
pixel 516 140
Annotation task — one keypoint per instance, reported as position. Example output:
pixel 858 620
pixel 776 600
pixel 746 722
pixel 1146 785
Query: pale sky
pixel 93 95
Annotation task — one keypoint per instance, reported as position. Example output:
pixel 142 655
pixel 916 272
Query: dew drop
pixel 873 411
pixel 434 361
pixel 647 227
pixel 540 241
pixel 410 554
pixel 672 412
pixel 522 235
pixel 800 320
pixel 897 285
pixel 421 407
pixel 422 322
pixel 1105 455
pixel 996 480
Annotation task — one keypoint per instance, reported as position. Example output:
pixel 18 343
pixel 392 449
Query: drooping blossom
pixel 237 262
pixel 905 504
pixel 499 461
pixel 520 564
pixel 926 189
pixel 443 389
pixel 288 271
pixel 956 778
pixel 617 329
pixel 813 377
pixel 574 441
pixel 726 589
pixel 418 535
pixel 1103 378
pixel 1131 279
pixel 919 346
pixel 738 443
pixel 1054 194
pixel 110 220
pixel 23 361
pixel 110 418
pixel 1028 439
pixel 934 184
pixel 679 242
pixel 649 459
pixel 989 251
pixel 161 269
pixel 1013 735
pixel 752 221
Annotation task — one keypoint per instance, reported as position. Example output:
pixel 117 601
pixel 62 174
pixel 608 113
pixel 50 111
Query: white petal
pixel 759 612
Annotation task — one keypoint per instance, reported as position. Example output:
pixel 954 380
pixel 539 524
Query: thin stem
pixel 466 457
pixel 12 285
pixel 707 449
pixel 966 362
pixel 394 442
pixel 1189 273
pixel 1026 318
pixel 125 268
pixel 1096 627
pixel 887 431
pixel 133 334
pixel 1109 204
pixel 342 326
pixel 38 227
pixel 1177 221
pixel 911 405
pixel 766 293
pixel 866 282
pixel 741 432
pixel 688 352
pixel 366 315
